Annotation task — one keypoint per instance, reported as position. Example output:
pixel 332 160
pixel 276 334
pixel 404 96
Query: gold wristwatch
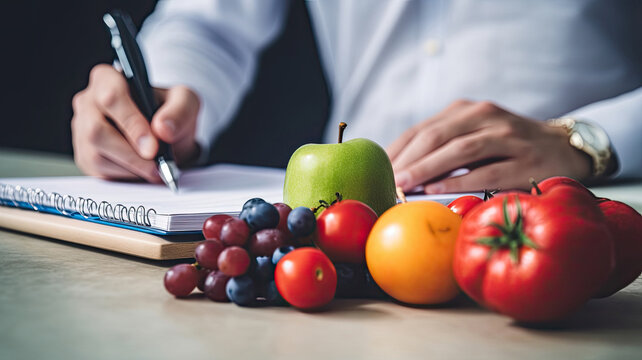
pixel 591 140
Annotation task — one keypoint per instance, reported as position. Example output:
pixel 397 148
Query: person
pixel 442 85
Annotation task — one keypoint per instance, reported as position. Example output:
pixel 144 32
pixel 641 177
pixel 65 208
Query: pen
pixel 123 40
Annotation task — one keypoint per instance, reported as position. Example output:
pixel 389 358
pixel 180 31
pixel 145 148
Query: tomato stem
pixel 322 204
pixel 534 183
pixel 489 193
pixel 325 204
pixel 512 233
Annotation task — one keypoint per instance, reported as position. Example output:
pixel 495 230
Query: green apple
pixel 358 169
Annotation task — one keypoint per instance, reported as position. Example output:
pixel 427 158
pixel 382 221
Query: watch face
pixel 592 135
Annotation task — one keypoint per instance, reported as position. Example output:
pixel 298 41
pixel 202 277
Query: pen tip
pixel 169 173
pixel 172 185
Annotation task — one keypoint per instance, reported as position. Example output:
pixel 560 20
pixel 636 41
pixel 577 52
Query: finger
pixel 175 120
pixel 94 137
pixel 113 146
pixel 428 139
pixel 491 176
pixel 457 121
pixel 92 163
pixel 112 97
pixel 104 168
pixel 84 129
pixel 395 149
pixel 458 153
pixel 401 142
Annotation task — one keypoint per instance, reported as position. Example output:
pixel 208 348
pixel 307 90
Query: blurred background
pixel 50 46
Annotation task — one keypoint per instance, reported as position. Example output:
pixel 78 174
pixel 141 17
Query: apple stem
pixel 401 195
pixel 342 127
pixel 534 183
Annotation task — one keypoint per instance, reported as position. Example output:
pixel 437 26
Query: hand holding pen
pixel 114 140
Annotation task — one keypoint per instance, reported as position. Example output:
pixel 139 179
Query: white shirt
pixel 392 64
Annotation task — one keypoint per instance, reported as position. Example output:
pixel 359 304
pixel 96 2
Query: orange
pixel 410 250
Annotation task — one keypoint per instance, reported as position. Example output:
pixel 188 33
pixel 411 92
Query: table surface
pixel 65 301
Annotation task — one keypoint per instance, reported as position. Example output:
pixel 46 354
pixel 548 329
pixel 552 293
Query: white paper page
pixel 442 198
pixel 218 188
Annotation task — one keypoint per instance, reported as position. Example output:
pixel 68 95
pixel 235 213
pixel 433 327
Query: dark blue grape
pixel 301 221
pixel 252 202
pixel 272 295
pixel 241 290
pixel 280 252
pixel 247 206
pixel 260 216
pixel 264 269
pixel 372 290
pixel 351 281
pixel 355 281
pixel 243 215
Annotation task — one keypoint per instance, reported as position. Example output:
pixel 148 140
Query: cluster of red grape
pixel 237 260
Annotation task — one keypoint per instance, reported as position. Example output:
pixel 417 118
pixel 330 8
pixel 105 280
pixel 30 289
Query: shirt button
pixel 432 47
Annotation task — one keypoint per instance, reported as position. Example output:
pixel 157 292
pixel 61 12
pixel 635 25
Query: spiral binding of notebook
pixel 53 202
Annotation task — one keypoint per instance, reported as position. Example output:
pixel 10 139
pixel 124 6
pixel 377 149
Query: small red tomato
pixel 306 278
pixel 343 230
pixel 462 205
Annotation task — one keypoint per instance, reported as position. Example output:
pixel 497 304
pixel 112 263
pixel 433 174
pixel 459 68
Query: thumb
pixel 175 120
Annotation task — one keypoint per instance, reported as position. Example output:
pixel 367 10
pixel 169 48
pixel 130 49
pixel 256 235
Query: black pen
pixel 123 40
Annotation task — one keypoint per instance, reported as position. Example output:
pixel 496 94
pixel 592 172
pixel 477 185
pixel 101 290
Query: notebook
pixel 153 208
pixel 218 189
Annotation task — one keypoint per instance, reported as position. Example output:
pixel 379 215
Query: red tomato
pixel 462 205
pixel 343 230
pixel 535 258
pixel 625 225
pixel 306 278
